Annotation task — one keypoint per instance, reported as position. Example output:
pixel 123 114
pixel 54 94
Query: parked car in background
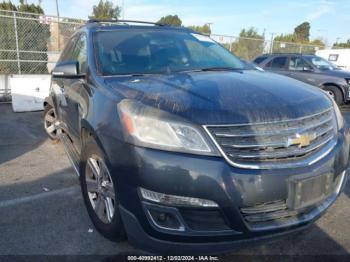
pixel 182 149
pixel 251 65
pixel 338 57
pixel 310 69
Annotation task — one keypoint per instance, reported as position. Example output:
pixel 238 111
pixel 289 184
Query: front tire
pixel 335 93
pixel 99 192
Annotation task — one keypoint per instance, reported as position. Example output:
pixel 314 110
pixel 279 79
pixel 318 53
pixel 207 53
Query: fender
pixel 340 87
pixel 48 101
pixel 85 125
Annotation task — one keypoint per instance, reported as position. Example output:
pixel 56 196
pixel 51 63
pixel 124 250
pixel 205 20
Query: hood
pixel 224 97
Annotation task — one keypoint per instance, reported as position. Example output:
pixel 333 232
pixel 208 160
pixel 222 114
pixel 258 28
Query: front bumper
pixel 212 178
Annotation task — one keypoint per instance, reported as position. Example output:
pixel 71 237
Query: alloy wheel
pixel 100 189
pixel 50 123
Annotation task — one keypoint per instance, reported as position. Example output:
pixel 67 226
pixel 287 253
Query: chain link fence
pixel 31 43
pixel 250 48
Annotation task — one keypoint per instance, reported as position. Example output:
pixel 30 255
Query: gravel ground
pixel 42 211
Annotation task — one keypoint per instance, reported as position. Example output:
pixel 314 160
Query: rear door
pixel 301 70
pixel 277 64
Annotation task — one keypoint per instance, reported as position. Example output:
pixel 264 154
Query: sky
pixel 329 18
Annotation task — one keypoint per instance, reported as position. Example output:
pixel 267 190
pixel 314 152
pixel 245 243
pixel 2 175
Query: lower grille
pixel 276 144
pixel 270 214
pixel 204 220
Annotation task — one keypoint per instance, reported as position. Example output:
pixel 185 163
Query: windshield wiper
pixel 221 68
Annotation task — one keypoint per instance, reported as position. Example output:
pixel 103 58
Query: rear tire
pixel 99 192
pixel 335 93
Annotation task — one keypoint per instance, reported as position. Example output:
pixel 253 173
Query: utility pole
pixel 123 9
pixel 57 11
pixel 271 45
pixel 58 27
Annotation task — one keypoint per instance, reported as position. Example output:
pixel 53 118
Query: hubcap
pixel 50 123
pixel 100 189
pixel 330 93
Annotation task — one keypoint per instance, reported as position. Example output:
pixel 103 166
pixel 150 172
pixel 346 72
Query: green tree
pixel 297 42
pixel 170 20
pixel 204 29
pixel 7 5
pixel 249 45
pixel 105 10
pixel 302 32
pixel 342 45
pixel 7 39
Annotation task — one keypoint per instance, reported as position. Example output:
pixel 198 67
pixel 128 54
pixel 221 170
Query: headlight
pixel 173 200
pixel 150 127
pixel 338 115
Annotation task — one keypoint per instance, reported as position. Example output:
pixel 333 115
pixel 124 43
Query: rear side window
pixel 297 64
pixel 260 59
pixel 277 63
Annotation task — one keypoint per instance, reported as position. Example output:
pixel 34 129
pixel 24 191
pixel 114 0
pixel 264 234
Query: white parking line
pixel 22 200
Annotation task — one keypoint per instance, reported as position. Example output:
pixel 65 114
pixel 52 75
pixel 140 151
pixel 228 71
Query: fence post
pixel 17 48
pixel 231 41
pixel 271 43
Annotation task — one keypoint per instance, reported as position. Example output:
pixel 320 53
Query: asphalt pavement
pixel 42 210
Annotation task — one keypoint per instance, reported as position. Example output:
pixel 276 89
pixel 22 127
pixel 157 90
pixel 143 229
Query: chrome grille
pixel 280 144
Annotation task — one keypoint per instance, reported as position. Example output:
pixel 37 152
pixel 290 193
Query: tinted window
pixel 297 63
pixel 260 59
pixel 158 51
pixel 277 63
pixel 79 53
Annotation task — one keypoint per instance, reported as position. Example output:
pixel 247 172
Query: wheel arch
pixel 48 101
pixel 86 130
pixel 324 85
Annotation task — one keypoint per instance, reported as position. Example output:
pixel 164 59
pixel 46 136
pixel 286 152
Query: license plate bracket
pixel 304 191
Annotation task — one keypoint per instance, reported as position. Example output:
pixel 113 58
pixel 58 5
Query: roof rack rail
pixel 122 21
pixel 286 53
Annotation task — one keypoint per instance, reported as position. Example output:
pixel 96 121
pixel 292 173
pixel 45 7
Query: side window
pixel 297 63
pixel 79 53
pixel 277 63
pixel 68 50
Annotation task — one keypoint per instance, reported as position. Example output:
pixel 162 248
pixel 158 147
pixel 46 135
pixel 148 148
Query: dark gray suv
pixel 183 148
pixel 312 70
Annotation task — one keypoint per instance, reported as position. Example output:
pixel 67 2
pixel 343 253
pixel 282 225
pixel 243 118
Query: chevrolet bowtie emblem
pixel 301 140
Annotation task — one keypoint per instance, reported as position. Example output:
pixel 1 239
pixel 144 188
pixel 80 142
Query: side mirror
pixel 66 69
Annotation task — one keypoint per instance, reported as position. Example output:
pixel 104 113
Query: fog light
pixel 165 220
pixel 172 200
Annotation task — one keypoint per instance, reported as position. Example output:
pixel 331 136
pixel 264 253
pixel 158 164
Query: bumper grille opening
pixel 204 220
pixel 275 144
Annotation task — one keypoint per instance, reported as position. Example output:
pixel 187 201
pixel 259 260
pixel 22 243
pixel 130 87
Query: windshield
pixel 159 51
pixel 321 63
